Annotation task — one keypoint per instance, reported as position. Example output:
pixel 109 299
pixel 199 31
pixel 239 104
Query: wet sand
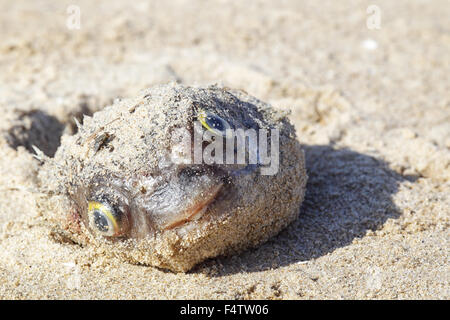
pixel 371 108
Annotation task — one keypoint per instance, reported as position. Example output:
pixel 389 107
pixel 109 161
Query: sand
pixel 371 108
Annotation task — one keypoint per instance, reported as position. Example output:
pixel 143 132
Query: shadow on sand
pixel 35 128
pixel 347 194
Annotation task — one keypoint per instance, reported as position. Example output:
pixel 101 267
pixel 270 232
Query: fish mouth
pixel 144 206
pixel 198 207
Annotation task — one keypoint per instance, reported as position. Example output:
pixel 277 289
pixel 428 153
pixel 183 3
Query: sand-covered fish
pixel 131 180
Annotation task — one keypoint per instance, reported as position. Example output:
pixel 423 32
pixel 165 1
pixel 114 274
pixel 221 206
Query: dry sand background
pixel 372 108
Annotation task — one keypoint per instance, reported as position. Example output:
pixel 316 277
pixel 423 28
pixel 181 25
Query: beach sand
pixel 371 107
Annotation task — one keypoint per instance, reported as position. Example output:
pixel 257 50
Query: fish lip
pixel 197 210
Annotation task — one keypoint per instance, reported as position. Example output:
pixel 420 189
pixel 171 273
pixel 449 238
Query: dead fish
pixel 115 183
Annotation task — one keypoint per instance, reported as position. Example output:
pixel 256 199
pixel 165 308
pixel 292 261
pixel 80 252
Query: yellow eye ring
pixel 102 219
pixel 213 123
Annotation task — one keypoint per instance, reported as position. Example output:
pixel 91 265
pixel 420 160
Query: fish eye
pixel 213 123
pixel 104 219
